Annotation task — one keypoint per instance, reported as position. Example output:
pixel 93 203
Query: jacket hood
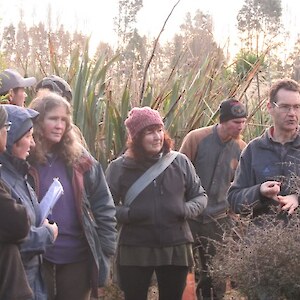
pixel 21 122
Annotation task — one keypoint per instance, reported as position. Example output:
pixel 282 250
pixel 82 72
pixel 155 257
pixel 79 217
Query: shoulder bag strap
pixel 141 183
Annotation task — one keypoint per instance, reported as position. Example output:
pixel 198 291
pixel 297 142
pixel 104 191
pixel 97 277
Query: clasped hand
pixel 271 189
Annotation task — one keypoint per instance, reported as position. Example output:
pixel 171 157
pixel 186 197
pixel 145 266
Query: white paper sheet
pixel 53 194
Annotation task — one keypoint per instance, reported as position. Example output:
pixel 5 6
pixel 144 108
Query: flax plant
pixel 186 101
pixel 193 100
pixel 91 105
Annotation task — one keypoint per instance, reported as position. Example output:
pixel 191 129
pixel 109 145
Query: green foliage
pixel 38 51
pixel 184 83
pixel 194 99
pixel 259 21
pixel 260 15
pixel 293 62
pixel 126 19
pixel 244 63
pixel 185 102
pixel 90 108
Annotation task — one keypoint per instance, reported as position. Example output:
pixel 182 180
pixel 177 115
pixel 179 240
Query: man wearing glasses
pixel 265 180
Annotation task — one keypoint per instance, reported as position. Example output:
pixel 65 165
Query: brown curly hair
pixel 69 147
pixel 286 84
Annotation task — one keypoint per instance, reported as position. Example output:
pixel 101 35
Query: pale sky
pixel 95 17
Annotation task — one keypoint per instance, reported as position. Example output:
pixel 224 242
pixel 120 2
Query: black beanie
pixel 231 109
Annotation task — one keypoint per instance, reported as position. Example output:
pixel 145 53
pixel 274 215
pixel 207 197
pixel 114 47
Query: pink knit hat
pixel 140 118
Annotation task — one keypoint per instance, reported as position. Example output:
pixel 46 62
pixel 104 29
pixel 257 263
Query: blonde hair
pixel 69 147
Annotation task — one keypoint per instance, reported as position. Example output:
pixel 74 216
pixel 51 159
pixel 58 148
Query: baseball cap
pixel 10 79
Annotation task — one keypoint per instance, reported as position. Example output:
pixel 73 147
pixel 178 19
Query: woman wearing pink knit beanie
pixel 140 118
pixel 155 235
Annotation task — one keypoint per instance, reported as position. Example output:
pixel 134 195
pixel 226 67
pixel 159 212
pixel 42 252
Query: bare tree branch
pixel 152 54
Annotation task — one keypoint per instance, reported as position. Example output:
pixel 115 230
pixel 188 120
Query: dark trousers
pixel 67 281
pixel 205 250
pixel 135 281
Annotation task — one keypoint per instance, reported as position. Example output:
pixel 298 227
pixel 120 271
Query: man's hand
pixel 288 203
pixel 270 189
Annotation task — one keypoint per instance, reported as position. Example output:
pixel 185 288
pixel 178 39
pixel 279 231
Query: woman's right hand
pixel 53 226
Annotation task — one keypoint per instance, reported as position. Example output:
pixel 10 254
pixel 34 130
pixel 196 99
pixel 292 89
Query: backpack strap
pixel 142 182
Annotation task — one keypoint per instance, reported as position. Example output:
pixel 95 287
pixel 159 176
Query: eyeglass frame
pixel 7 125
pixel 285 108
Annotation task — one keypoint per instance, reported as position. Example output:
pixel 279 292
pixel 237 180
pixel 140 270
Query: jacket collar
pixel 15 164
pixel 266 139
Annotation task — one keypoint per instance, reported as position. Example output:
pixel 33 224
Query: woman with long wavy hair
pixel 79 261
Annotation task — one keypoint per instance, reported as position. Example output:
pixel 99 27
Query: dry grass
pixel 112 292
pixel 233 295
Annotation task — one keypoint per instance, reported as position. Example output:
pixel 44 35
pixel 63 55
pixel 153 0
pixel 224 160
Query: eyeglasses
pixel 285 108
pixel 7 126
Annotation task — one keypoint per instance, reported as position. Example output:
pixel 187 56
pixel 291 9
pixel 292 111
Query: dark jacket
pixel 14 173
pixel 158 215
pixel 14 227
pixel 14 222
pixel 96 211
pixel 263 160
pixel 13 280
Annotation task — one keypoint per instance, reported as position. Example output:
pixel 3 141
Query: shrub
pixel 264 263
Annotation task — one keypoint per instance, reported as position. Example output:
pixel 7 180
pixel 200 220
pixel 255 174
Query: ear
pixel 10 94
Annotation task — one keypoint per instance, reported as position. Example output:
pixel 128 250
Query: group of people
pixel 167 205
pixel 67 255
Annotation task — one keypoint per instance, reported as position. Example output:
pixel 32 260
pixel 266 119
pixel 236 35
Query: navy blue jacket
pixel 263 160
